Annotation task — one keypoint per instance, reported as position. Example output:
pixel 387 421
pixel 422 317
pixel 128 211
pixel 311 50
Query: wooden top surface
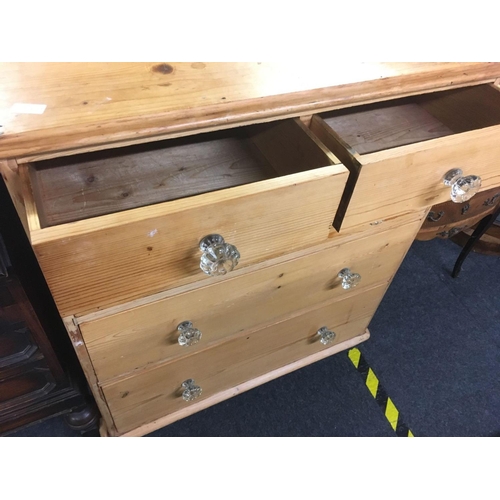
pixel 94 105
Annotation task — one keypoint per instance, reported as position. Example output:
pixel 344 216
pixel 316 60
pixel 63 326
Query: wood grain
pixel 383 126
pixel 143 336
pixel 400 178
pixel 99 183
pixel 88 369
pixel 466 109
pixel 100 105
pixel 29 200
pixel 290 147
pixel 147 257
pixel 95 184
pixel 97 263
pixel 348 156
pixel 245 386
pixel 140 399
pixel 410 177
pixel 334 239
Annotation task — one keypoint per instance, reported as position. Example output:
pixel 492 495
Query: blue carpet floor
pixel 435 347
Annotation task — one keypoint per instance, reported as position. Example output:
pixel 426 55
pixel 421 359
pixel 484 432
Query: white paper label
pixel 21 108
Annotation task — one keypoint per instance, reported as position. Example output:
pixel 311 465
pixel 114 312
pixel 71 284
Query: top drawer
pixel 399 151
pixel 127 223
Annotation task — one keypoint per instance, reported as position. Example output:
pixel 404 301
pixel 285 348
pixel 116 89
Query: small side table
pixel 481 229
pixel 465 224
pixel 448 219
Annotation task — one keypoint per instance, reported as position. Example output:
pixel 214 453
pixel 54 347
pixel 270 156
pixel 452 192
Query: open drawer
pixel 399 151
pixel 109 227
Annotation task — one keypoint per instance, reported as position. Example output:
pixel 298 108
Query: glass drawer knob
pixel 462 188
pixel 191 390
pixel 349 279
pixel 189 335
pixel 218 257
pixel 326 336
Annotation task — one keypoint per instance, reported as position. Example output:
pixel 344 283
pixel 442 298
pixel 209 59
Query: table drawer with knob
pixel 182 323
pixel 109 227
pixel 174 387
pixel 414 152
pixel 448 219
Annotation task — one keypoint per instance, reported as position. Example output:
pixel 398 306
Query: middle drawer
pixel 129 340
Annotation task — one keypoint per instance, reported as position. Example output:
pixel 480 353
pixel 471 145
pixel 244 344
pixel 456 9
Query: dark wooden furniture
pixel 488 243
pixel 466 224
pixel 481 229
pixel 446 220
pixel 39 375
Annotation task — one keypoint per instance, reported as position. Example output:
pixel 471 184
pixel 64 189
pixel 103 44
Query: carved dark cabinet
pixel 39 374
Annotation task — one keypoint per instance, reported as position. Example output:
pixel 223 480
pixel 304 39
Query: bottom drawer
pixel 153 394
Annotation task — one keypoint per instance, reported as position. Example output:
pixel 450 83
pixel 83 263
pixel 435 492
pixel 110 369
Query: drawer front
pixel 400 164
pixel 125 256
pixel 131 339
pixel 390 185
pixel 115 247
pixel 153 394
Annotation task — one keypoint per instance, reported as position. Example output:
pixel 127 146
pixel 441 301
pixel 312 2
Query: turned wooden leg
pixel 84 419
pixel 481 228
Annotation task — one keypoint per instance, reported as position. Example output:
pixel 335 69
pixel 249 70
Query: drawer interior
pixel 380 126
pixel 92 184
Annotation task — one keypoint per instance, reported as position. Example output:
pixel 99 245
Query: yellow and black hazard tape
pixel 378 392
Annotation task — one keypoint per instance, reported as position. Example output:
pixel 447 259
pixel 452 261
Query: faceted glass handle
pixel 189 335
pixel 191 390
pixel 326 336
pixel 218 256
pixel 349 279
pixel 462 188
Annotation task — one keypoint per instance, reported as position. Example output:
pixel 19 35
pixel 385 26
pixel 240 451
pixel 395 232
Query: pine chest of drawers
pixel 201 240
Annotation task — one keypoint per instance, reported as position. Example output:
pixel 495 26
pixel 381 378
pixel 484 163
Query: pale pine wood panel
pixel 394 123
pixel 464 109
pixel 410 178
pixel 240 388
pixel 334 238
pixel 140 399
pixel 101 183
pixel 95 105
pixel 406 178
pixel 378 127
pixel 97 263
pixel 442 130
pixel 88 369
pixel 145 335
pixel 32 216
pixel 290 147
